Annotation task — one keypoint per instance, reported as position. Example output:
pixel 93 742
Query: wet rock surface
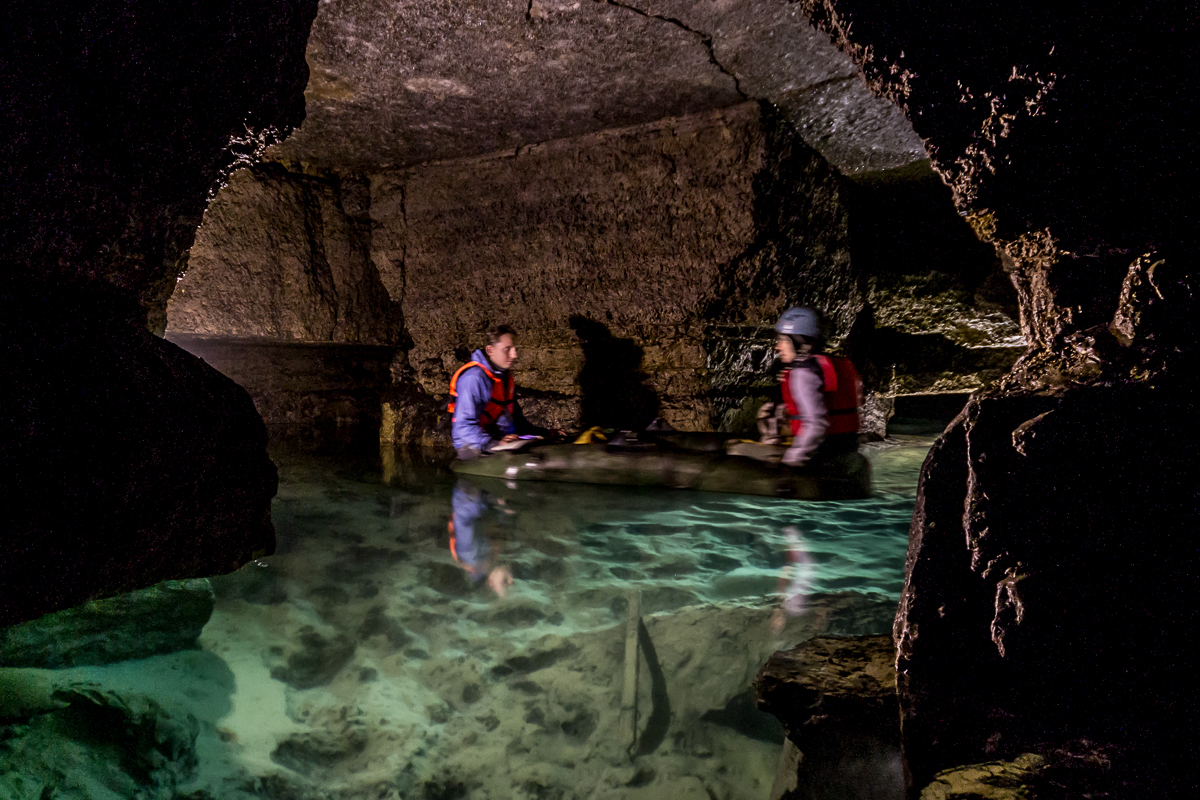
pixel 471 78
pixel 161 619
pixel 836 697
pixel 126 460
pixel 129 461
pixel 1055 500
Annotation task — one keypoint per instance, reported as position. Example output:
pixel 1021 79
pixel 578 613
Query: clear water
pixel 367 658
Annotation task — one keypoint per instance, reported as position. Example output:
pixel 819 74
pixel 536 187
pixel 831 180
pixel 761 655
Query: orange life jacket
pixel 499 403
pixel 842 390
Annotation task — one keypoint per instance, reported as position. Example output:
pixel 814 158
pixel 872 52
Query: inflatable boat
pixel 701 462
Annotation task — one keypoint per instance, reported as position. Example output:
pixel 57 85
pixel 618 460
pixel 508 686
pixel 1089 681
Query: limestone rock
pixel 285 258
pixel 989 663
pixel 1056 497
pixel 126 461
pixel 836 697
pixel 147 622
pixel 1075 769
pixel 314 388
pixel 99 743
pixel 558 69
pixel 317 656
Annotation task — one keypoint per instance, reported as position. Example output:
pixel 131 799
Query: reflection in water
pixel 374 655
pixel 473 553
pixel 795 580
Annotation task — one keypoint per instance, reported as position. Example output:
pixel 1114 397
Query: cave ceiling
pixel 393 84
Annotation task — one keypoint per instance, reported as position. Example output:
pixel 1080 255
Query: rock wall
pixel 1049 569
pixel 126 460
pixel 282 296
pixel 642 266
pixel 617 256
pixel 286 258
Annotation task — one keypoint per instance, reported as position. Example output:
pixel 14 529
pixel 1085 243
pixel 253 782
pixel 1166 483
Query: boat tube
pixel 732 467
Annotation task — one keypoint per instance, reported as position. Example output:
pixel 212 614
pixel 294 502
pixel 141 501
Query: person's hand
pixel 792 460
pixel 512 437
pixel 499 580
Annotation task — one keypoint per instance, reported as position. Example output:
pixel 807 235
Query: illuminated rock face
pixel 127 461
pixel 621 257
pixel 642 266
pixel 1051 567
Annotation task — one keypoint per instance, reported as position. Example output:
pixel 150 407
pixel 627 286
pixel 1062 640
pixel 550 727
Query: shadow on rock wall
pixel 615 393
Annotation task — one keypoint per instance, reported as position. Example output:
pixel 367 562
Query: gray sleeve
pixel 808 390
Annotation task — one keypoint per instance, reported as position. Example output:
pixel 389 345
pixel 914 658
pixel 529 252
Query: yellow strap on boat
pixel 593 434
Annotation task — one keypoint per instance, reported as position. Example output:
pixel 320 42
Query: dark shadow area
pixel 920 414
pixel 614 389
pixel 907 237
pixel 320 395
pixel 894 360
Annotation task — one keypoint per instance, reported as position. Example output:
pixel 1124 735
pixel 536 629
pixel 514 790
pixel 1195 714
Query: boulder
pixel 147 622
pixel 126 461
pixel 836 698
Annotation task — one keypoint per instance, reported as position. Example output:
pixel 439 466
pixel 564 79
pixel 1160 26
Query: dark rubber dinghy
pixel 737 468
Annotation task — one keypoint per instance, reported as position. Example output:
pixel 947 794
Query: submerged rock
pixel 161 619
pixel 98 744
pixel 317 751
pixel 836 697
pixel 315 658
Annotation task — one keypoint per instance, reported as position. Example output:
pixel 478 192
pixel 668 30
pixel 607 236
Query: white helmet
pixel 799 321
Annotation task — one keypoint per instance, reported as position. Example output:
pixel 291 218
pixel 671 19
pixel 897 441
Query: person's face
pixel 785 349
pixel 503 353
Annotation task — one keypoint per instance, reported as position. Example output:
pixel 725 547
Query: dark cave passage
pixel 331 203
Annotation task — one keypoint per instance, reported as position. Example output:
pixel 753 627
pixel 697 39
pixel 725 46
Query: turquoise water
pixel 369 658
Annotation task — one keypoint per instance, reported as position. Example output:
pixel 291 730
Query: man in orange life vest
pixel 483 399
pixel 821 393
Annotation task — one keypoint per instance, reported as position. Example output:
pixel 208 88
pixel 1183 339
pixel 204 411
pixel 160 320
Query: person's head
pixel 798 333
pixel 501 347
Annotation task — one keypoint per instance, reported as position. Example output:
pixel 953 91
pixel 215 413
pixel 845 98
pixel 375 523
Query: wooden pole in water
pixel 629 693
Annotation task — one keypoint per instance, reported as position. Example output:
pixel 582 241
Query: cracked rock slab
pixel 395 85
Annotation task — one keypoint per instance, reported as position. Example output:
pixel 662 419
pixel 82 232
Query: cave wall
pixel 282 296
pixel 126 460
pixel 941 315
pixel 1049 569
pixel 643 267
pixel 286 258
pixel 614 246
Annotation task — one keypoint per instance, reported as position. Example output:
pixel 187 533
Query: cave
pixel 239 233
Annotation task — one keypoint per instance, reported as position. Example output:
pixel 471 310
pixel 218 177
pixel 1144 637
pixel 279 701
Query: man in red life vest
pixel 821 393
pixel 483 399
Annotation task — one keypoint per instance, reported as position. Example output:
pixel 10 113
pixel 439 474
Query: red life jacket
pixel 842 390
pixel 501 401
